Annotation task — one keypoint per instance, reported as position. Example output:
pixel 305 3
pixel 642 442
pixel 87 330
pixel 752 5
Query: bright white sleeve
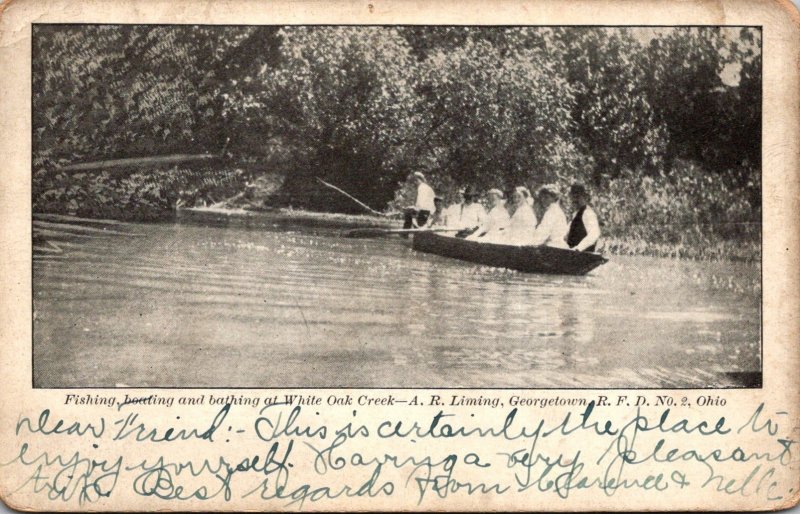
pixel 482 215
pixel 501 220
pixel 543 230
pixel 425 197
pixel 592 230
pixel 496 219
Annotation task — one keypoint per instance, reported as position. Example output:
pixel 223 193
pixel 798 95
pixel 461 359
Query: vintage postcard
pixel 386 255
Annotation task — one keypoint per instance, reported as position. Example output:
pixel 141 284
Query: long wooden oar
pixel 377 232
pixel 348 195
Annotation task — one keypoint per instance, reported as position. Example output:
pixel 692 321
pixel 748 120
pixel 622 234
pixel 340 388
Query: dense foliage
pixel 663 123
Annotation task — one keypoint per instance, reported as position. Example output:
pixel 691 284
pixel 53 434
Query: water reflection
pixel 217 306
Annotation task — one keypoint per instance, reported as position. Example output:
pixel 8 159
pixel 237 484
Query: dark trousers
pixel 422 218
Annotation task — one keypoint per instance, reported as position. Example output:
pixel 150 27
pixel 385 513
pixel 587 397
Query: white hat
pixel 495 191
pixel 419 175
pixel 551 189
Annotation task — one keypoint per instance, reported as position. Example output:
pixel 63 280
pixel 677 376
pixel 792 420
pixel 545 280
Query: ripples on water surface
pixel 192 305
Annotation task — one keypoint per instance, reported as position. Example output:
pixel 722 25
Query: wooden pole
pixel 137 161
pixel 348 195
pixel 377 232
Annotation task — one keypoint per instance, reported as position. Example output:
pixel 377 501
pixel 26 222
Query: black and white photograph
pixel 396 206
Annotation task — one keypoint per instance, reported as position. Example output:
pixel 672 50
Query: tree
pixel 708 82
pixel 613 114
pixel 342 105
pixel 492 119
pixel 106 91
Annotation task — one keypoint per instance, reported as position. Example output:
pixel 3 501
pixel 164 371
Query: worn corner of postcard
pixel 346 256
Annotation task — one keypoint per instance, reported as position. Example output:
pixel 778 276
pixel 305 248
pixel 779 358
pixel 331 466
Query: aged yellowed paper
pixel 386 255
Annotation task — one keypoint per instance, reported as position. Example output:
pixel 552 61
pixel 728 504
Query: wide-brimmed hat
pixel 419 175
pixel 495 191
pixel 550 189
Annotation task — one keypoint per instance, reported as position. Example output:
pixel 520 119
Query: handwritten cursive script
pixel 293 455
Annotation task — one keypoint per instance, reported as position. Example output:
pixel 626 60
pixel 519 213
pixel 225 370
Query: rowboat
pixel 529 259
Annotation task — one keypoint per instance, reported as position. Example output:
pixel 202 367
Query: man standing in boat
pixel 417 216
pixel 584 231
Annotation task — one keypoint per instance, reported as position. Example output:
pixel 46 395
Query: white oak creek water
pixel 211 306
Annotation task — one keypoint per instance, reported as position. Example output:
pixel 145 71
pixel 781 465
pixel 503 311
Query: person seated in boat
pixel 521 224
pixel 438 219
pixel 452 213
pixel 553 229
pixel 472 214
pixel 584 230
pixel 496 219
pixel 417 216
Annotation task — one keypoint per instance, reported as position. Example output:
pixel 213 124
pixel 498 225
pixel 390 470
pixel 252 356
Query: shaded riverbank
pixel 744 249
pixel 685 247
pixel 694 218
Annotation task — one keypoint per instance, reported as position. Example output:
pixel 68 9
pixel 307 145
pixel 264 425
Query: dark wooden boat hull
pixel 530 259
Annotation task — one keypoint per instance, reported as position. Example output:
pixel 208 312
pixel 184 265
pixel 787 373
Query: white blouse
pixel 466 216
pixel 520 227
pixel 553 229
pixel 496 219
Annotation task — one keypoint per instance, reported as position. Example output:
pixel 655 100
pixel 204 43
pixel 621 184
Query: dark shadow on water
pixel 280 220
pixel 746 379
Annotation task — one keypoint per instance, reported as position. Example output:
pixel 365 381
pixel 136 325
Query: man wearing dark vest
pixel 584 231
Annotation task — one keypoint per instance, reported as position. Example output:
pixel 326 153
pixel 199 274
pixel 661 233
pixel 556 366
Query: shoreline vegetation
pixel 676 230
pixel 690 245
pixel 720 250
pixel 662 124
